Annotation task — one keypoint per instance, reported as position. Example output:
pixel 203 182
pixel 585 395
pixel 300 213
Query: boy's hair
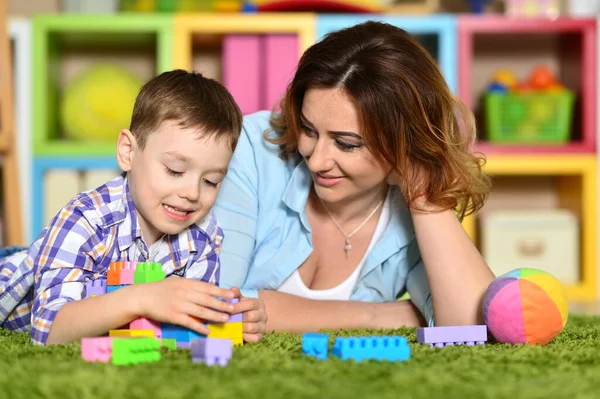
pixel 192 100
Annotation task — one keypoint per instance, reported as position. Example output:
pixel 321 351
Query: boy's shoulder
pixel 104 205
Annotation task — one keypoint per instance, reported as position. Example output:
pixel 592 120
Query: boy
pixel 175 154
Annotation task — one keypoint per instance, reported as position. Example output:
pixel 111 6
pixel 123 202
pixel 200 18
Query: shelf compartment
pixel 567 46
pixel 65 45
pixel 436 33
pixel 253 55
pixel 71 175
pixel 548 182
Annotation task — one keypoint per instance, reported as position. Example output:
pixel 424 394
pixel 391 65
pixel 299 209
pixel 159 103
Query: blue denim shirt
pixel 261 208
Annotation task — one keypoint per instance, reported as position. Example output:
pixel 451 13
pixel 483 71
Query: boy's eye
pixel 173 172
pixel 210 183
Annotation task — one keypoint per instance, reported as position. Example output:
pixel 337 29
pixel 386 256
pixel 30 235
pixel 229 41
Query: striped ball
pixel 525 306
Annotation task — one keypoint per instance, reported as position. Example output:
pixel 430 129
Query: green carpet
pixel 569 367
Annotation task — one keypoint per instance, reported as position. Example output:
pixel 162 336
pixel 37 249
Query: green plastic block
pixel 170 343
pixel 135 350
pixel 148 272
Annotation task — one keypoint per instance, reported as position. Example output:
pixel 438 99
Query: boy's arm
pixel 68 255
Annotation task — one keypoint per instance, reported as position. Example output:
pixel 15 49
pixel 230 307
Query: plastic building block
pixel 113 276
pixel 112 288
pixel 242 70
pixel 96 349
pixel 142 323
pixel 148 272
pixel 135 350
pixel 179 333
pixel 234 318
pixel 316 345
pixel 127 273
pixel 232 331
pixel 379 348
pixel 94 288
pixel 211 351
pixel 131 333
pixel 452 335
pixel 169 343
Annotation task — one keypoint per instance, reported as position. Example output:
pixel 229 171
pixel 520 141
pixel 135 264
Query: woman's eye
pixel 309 131
pixel 346 146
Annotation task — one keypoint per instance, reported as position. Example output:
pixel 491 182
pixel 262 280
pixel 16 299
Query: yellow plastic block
pixel 131 333
pixel 231 331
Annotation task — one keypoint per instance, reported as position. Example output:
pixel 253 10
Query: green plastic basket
pixel 529 118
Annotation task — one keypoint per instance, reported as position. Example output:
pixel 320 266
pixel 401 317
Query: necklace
pixel 348 247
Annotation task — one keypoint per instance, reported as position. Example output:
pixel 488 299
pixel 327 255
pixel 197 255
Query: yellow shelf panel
pixel 584 166
pixel 185 25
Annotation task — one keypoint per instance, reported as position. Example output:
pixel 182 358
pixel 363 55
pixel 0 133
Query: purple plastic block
pixel 234 318
pixel 95 287
pixel 183 345
pixel 212 351
pixel 452 335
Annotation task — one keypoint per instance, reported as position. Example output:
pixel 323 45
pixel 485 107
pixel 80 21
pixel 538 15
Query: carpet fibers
pixel 569 367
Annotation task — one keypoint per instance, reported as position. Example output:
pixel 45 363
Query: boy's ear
pixel 126 148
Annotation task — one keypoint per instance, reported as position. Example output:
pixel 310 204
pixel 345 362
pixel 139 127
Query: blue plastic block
pixel 379 348
pixel 315 345
pixel 179 333
pixel 112 288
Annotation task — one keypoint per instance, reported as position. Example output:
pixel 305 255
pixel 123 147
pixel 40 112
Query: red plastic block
pixel 146 324
pixel 452 335
pixel 113 276
pixel 96 349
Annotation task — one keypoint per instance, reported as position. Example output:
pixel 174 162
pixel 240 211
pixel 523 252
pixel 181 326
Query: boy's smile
pixel 175 179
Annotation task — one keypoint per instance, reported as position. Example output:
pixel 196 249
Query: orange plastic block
pixel 113 276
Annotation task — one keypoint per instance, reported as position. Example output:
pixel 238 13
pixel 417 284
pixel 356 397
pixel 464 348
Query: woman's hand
pixel 184 302
pixel 254 316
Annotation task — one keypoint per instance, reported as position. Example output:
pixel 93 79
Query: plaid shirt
pixel 95 228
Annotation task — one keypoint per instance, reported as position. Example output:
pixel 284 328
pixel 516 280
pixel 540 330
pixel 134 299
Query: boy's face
pixel 175 179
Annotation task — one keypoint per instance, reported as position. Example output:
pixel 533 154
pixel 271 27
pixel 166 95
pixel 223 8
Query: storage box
pixel 541 239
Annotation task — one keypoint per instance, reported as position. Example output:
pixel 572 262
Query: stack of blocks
pixel 209 350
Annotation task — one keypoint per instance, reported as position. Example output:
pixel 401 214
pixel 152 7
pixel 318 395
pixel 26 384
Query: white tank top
pixel 295 286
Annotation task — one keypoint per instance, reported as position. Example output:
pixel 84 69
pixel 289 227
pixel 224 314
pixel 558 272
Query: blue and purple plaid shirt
pixel 95 228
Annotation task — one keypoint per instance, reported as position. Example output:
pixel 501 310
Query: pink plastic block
pixel 127 273
pixel 241 70
pixel 96 349
pixel 281 55
pixel 452 335
pixel 142 323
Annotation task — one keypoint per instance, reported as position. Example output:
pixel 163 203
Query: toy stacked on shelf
pixel 10 217
pixel 122 274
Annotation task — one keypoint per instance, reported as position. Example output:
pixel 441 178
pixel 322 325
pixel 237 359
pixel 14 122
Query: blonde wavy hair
pixel 408 116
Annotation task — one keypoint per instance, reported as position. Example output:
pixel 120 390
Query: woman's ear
pixel 126 148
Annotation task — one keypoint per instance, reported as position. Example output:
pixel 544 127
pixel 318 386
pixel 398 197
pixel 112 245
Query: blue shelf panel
pixel 43 164
pixel 442 28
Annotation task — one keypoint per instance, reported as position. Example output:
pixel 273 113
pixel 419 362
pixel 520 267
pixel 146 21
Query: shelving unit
pixel 436 33
pixel 539 176
pixel 64 45
pixel 11 206
pixel 20 34
pixel 253 55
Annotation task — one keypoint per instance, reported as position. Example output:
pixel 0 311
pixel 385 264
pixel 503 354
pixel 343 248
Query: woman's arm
pixel 298 315
pixel 457 274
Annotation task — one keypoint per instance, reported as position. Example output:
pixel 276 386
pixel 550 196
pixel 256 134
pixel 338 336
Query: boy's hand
pixel 183 301
pixel 254 316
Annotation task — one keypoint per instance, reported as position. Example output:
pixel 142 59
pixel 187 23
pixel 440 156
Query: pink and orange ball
pixel 525 306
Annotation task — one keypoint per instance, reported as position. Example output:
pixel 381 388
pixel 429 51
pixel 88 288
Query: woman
pixel 348 198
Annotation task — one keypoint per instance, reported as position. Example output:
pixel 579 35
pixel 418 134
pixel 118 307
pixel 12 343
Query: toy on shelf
pixel 478 6
pixel 525 306
pixel 533 8
pixel 535 111
pixel 452 335
pixel 121 274
pixel 412 6
pixel 346 6
pixel 98 103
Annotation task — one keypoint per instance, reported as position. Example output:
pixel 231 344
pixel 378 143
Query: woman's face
pixel 334 149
